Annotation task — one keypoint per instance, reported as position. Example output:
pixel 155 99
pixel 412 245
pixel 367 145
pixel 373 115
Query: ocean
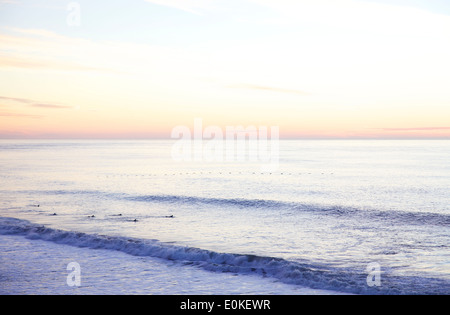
pixel 335 217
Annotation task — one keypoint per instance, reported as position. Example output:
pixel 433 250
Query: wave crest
pixel 292 272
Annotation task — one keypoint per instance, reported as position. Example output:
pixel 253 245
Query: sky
pixel 136 69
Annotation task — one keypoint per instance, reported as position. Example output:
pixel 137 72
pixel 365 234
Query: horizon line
pixel 281 138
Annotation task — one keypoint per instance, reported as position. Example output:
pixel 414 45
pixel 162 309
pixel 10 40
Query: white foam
pixel 39 267
pixel 289 272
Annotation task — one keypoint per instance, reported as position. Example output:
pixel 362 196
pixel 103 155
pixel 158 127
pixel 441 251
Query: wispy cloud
pixel 33 103
pixel 15 99
pixel 38 49
pixel 52 106
pixel 25 63
pixel 15 115
pixel 266 88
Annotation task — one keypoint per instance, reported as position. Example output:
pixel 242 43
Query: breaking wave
pixel 373 215
pixel 310 275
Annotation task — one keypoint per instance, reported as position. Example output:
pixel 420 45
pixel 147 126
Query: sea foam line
pixel 308 275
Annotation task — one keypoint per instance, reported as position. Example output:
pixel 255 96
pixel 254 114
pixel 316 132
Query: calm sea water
pixel 329 210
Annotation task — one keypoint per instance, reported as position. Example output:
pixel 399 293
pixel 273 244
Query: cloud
pixel 266 88
pixel 38 49
pixel 25 63
pixel 15 115
pixel 15 99
pixel 33 103
pixel 50 106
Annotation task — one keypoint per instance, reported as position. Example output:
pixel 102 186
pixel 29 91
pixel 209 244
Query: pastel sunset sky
pixel 139 68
